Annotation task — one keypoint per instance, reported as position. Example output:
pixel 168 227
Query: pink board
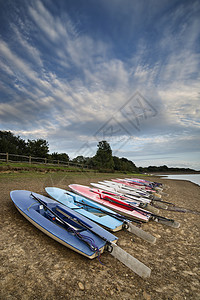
pixel 111 202
pixel 134 185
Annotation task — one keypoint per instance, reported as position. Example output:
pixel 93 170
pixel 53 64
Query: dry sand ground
pixel 33 266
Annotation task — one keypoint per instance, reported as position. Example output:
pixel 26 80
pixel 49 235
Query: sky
pixel 77 72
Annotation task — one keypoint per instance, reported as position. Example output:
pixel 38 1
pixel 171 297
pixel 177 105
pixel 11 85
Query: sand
pixel 33 266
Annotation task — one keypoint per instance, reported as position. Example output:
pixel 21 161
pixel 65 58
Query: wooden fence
pixel 7 157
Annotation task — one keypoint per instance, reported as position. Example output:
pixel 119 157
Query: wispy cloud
pixel 61 82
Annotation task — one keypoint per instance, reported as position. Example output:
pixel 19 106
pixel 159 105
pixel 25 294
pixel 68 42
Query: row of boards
pixel 74 221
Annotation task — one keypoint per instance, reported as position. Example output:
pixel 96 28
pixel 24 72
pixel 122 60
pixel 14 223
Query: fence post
pixel 29 159
pixel 45 161
pixel 58 162
pixel 7 157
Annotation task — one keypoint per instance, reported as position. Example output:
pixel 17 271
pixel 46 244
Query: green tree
pixel 117 163
pixel 80 159
pixel 53 156
pixel 103 159
pixel 123 164
pixel 86 161
pixel 59 156
pixel 63 157
pixel 11 143
pixel 38 148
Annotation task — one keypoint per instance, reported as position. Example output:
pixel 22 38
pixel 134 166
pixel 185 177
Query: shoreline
pixel 36 267
pixel 181 179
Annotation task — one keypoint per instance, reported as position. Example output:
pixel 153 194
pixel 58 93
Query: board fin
pixel 160 205
pixel 152 209
pixel 131 262
pixel 168 222
pixel 141 233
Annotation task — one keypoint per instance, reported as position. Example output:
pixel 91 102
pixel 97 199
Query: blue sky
pixel 76 72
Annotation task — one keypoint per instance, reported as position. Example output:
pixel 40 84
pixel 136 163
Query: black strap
pixel 115 215
pixel 70 218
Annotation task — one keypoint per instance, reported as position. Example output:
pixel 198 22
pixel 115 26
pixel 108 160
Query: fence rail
pixel 7 157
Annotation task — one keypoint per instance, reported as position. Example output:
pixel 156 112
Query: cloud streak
pixel 62 79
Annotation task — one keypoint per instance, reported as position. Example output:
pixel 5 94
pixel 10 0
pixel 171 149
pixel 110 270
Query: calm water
pixel 190 177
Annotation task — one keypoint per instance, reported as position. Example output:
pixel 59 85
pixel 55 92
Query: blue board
pixel 43 219
pixel 79 204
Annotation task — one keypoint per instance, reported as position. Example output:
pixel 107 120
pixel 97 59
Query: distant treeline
pixel 102 161
pixel 164 169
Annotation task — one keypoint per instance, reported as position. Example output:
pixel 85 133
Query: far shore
pixel 173 173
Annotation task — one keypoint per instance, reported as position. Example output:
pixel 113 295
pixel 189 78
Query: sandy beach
pixel 33 266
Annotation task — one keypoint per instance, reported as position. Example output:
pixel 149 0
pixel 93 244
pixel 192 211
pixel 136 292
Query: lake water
pixel 195 178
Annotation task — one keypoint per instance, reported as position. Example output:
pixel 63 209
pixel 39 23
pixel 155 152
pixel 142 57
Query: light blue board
pixel 75 202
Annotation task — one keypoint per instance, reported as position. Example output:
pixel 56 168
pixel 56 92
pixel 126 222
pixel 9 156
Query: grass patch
pixel 40 166
pixel 55 174
pixel 60 175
